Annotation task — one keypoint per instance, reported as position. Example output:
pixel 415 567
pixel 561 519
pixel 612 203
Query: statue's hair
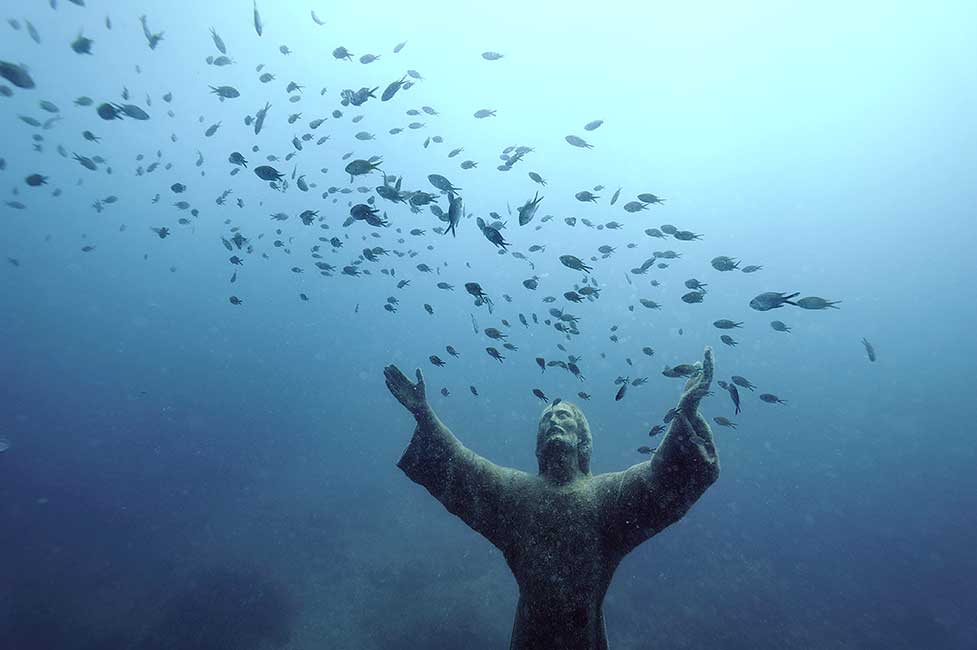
pixel 585 441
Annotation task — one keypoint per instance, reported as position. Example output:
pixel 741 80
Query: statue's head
pixel 563 424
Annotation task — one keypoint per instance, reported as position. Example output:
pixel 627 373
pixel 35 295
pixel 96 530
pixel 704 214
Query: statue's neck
pixel 561 467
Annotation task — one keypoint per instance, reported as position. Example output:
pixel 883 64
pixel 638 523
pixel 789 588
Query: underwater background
pixel 177 471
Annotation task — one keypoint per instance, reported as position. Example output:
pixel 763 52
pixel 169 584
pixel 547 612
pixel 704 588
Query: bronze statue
pixel 564 531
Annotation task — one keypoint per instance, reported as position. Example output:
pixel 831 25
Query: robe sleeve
pixel 648 497
pixel 469 486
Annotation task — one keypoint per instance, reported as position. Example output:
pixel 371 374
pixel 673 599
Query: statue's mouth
pixel 555 431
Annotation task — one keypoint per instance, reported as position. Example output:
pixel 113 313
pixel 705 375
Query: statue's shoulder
pixel 607 477
pixel 513 478
pixel 608 481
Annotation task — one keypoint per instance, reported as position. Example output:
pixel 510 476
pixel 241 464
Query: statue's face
pixel 559 426
pixel 563 429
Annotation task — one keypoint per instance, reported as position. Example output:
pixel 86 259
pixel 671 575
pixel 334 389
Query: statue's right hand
pixel 409 394
pixel 698 387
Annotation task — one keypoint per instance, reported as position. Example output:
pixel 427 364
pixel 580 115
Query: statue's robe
pixel 563 542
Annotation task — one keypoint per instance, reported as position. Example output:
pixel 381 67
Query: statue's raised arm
pixel 468 485
pixel 652 495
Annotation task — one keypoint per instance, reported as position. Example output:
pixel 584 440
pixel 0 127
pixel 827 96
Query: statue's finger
pixel 396 375
pixel 420 377
pixel 708 365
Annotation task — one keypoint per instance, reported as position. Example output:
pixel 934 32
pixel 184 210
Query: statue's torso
pixel 557 550
pixel 555 543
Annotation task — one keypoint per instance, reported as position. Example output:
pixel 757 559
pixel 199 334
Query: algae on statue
pixel 564 531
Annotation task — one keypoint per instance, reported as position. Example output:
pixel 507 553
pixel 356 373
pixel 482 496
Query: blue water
pixel 180 472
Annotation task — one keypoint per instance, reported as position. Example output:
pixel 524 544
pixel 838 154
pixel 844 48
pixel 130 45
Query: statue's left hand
pixel 410 395
pixel 698 387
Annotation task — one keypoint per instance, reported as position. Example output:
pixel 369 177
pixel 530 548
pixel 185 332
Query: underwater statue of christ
pixel 563 531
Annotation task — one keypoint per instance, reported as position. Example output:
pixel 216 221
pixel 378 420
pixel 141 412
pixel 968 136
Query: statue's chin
pixel 559 441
